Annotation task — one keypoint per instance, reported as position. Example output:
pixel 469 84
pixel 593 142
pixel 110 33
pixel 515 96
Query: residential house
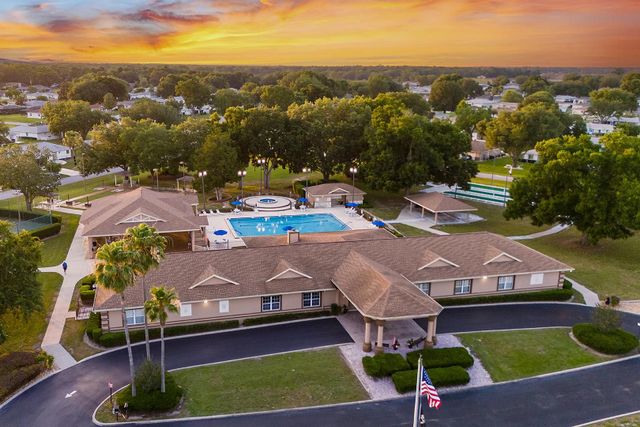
pixel 39 132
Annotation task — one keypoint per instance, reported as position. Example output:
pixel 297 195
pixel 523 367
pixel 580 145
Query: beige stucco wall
pixel 489 285
pixel 238 308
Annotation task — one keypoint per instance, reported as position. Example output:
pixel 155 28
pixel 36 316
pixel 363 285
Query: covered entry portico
pixel 382 295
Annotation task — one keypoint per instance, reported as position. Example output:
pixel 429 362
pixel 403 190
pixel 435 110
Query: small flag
pixel 427 389
pixel 110 385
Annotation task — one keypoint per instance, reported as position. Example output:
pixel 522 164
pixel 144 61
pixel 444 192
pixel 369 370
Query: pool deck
pixel 220 221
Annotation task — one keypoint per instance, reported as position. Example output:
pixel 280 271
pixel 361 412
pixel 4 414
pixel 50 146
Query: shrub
pixel 148 377
pixel 405 381
pixel 567 284
pixel 113 339
pixel 87 294
pixel 284 317
pixel 615 301
pixel 385 364
pixel 154 400
pixel 16 370
pixel 335 309
pixel 612 342
pixel 88 280
pixel 548 295
pixel 606 319
pixel 47 231
pixel 441 357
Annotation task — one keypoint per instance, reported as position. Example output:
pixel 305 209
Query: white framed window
pixel 185 310
pixel 223 306
pixel 505 283
pixel 271 303
pixel 462 287
pixel 310 299
pixel 135 316
pixel 425 287
pixel 537 279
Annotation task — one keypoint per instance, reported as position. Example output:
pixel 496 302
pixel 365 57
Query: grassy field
pixel 26 335
pixel 511 355
pixel 291 380
pixel 496 182
pixel 494 222
pixel 410 231
pixel 55 248
pixel 497 166
pixel 629 421
pixel 18 118
pixel 73 339
pixel 609 268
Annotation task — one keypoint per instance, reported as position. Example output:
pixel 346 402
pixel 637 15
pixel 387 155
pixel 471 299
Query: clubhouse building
pixel 383 278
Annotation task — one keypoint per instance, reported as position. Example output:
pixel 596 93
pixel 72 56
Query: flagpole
pixel 416 410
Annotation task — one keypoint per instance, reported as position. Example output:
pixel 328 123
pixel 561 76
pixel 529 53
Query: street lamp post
pixel 204 197
pixel 242 174
pixel 261 163
pixel 306 170
pixel 155 172
pixel 353 170
pixel 506 180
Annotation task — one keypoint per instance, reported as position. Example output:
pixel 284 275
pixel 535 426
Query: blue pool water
pixel 274 225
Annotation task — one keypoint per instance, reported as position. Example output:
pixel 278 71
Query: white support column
pixel 436 218
pixel 379 348
pixel 366 346
pixel 430 331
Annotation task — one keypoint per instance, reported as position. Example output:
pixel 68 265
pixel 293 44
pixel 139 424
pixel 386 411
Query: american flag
pixel 427 389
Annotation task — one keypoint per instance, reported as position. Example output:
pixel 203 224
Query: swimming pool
pixel 274 225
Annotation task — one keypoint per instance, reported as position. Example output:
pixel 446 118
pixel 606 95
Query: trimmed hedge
pixel 617 341
pixel 47 231
pixel 284 317
pixel 441 357
pixel 87 294
pixel 383 365
pixel 114 339
pixel 567 284
pixel 405 381
pixel 16 370
pixel 549 295
pixel 152 401
pixel 94 327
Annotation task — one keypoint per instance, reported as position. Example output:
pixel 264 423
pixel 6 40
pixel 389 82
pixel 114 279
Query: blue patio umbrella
pixel 236 203
pixel 378 223
pixel 351 204
pixel 220 232
pixel 288 227
pixel 303 200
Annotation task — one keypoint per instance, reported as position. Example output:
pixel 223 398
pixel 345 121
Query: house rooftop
pixel 333 189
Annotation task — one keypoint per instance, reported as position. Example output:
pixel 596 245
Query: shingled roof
pixel 438 202
pixel 251 268
pixel 165 211
pixel 334 189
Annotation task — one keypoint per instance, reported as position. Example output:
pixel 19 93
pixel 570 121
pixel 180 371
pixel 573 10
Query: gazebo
pixel 381 295
pixel 437 203
pixel 186 180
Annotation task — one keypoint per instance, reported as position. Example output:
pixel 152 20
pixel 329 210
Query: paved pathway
pixel 563 399
pixel 553 230
pixel 79 267
pixel 590 298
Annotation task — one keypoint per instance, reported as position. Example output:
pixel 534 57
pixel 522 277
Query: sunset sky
pixel 325 32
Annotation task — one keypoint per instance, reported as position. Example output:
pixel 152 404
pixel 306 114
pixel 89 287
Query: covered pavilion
pixel 437 203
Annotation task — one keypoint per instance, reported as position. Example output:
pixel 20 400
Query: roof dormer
pixel 284 270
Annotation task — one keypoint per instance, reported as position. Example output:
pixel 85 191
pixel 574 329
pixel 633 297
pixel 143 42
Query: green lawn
pixel 496 182
pixel 285 381
pixel 56 247
pixel 609 268
pixel 18 118
pixel 26 335
pixel 511 355
pixel 494 222
pixel 497 166
pixel 73 339
pixel 410 231
pixel 629 421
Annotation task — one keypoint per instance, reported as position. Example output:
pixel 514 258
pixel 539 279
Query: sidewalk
pixel 79 267
pixel 590 298
pixel 553 230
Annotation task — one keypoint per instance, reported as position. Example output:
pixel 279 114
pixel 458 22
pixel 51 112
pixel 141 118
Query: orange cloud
pixel 331 32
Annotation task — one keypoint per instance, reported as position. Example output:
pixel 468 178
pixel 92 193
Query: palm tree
pixel 148 246
pixel 157 308
pixel 114 270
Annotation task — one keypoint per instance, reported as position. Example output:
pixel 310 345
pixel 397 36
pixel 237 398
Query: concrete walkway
pixel 553 230
pixel 79 267
pixel 590 298
pixel 498 178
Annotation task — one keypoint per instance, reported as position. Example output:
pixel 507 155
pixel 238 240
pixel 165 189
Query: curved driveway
pixel 562 399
